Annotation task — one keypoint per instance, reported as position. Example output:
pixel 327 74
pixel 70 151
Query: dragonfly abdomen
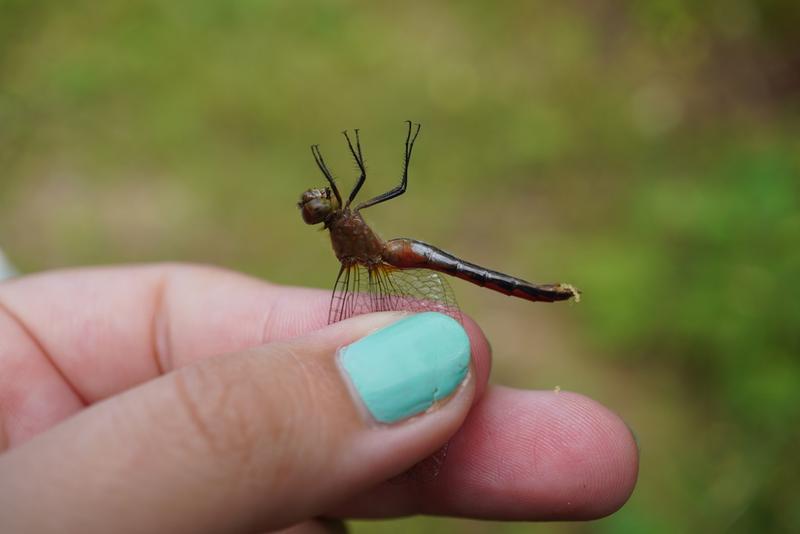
pixel 411 254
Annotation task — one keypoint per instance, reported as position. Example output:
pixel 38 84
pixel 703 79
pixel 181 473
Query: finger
pixel 317 526
pixel 260 439
pixel 76 337
pixel 521 455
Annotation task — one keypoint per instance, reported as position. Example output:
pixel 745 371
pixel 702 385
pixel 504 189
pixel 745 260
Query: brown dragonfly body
pixel 362 252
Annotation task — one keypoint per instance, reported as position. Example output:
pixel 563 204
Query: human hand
pixel 188 399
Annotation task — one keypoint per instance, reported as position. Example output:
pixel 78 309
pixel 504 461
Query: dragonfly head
pixel 317 205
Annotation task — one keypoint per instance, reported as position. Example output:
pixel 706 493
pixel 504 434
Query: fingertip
pixel 596 449
pixel 536 455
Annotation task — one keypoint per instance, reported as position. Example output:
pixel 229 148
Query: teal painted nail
pixel 401 370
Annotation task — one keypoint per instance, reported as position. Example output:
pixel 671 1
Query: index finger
pixel 71 338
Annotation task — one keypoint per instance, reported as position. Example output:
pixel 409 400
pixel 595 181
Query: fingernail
pixel 404 368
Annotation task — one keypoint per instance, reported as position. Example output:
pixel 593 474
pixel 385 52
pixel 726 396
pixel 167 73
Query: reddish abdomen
pixel 411 254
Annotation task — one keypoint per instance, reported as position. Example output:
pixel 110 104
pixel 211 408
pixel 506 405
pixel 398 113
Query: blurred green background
pixel 647 152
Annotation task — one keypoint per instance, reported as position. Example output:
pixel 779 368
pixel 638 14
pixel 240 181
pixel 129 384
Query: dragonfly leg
pixel 400 189
pixel 324 168
pixel 359 161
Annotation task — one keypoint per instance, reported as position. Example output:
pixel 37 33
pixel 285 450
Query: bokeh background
pixel 647 152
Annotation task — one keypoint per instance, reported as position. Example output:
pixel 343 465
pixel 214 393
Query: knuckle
pixel 234 413
pixel 221 419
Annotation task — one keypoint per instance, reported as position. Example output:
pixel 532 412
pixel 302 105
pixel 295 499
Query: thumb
pixel 260 439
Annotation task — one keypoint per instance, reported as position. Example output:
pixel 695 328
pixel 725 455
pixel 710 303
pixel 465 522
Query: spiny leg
pixel 324 168
pixel 359 161
pixel 400 189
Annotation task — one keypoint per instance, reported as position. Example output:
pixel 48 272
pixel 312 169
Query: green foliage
pixel 707 262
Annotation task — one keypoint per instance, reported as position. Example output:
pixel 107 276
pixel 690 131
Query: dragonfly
pixel 398 274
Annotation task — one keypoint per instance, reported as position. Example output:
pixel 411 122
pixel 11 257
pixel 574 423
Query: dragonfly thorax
pixel 353 240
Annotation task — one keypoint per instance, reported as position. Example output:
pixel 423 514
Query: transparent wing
pixel 364 289
pixel 381 287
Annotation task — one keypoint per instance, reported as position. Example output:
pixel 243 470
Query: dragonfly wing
pixel 348 298
pixel 415 290
pixel 381 287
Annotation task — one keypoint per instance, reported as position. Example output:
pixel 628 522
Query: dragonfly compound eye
pixel 315 205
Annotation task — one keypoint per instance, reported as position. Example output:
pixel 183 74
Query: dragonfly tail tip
pixel 576 294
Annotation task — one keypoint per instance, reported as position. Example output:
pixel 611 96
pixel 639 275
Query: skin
pixel 191 399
